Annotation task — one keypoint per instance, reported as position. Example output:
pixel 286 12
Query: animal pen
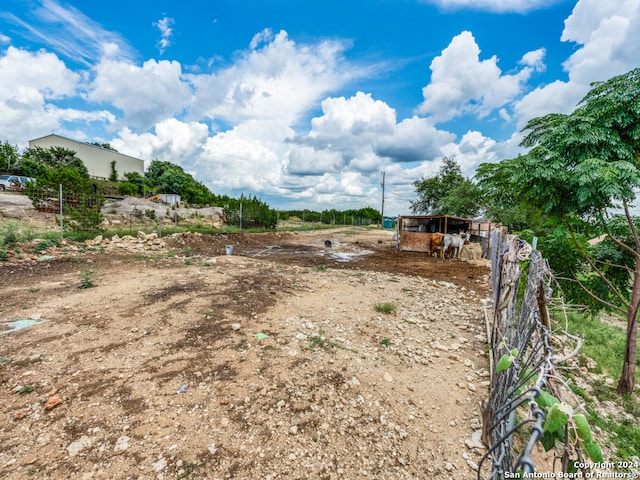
pixel 414 232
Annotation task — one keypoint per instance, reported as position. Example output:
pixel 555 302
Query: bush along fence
pixel 528 401
pixel 79 210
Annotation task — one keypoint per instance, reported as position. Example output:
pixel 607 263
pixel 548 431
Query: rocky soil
pixel 288 359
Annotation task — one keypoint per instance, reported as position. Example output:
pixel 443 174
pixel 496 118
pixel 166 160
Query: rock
pixel 475 441
pixel 84 443
pixel 235 326
pixel 159 465
pixel 52 403
pixel 388 377
pixel 122 444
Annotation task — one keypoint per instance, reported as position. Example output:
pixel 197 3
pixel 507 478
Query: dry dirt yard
pixel 270 363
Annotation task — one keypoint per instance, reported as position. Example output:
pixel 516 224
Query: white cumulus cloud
pixel 606 35
pixel 145 94
pixel 461 83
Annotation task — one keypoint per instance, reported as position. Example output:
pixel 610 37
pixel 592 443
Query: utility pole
pixel 382 212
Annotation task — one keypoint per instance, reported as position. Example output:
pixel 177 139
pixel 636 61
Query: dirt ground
pixel 275 362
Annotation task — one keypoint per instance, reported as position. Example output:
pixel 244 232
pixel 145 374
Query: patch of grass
pixel 321 268
pixel 26 389
pixel 394 280
pixel 624 434
pixel 171 254
pixel 34 289
pixel 186 251
pixel 11 232
pixel 321 342
pixel 387 308
pixel 4 256
pixel 604 343
pixel 42 246
pixel 86 279
pixel 386 342
pixel 190 469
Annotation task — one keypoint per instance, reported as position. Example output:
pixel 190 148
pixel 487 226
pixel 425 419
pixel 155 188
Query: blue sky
pixel 304 104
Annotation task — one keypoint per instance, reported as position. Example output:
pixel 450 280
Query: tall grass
pixel 604 342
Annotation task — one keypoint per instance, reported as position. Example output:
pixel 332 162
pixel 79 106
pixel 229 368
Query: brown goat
pixel 436 242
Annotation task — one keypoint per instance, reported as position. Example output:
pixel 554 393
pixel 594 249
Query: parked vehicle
pixel 14 182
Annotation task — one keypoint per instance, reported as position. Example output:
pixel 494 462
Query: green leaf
pixel 582 427
pixel 545 399
pixel 504 363
pixel 548 441
pixel 556 419
pixel 594 450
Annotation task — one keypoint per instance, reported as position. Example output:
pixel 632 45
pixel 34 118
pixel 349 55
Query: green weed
pixel 387 308
pixel 321 342
pixel 86 279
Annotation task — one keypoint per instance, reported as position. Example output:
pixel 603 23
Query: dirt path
pixel 271 363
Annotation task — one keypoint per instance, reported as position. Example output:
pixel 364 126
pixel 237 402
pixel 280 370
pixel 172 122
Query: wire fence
pixel 520 336
pixel 131 214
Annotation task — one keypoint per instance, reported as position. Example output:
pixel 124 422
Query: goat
pixel 455 240
pixel 436 242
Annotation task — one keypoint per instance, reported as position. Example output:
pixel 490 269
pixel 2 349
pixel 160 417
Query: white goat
pixel 453 240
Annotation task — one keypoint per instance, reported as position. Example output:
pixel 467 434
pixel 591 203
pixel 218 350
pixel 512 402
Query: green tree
pixel 81 207
pixel 52 157
pixel 8 157
pixel 113 176
pixel 447 193
pixel 584 166
pixel 171 178
pixel 141 183
pixel 250 212
pixel 501 203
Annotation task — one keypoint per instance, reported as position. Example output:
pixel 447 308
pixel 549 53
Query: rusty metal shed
pixel 414 232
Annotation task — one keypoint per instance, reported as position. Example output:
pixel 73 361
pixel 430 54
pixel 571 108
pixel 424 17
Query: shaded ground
pixel 274 362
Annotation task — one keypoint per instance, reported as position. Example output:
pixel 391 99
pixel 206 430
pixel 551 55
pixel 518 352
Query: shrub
pixel 386 308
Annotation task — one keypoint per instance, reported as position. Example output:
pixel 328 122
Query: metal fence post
pixel 60 200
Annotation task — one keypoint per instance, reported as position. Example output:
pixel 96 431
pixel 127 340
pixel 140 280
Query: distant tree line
pixel 332 216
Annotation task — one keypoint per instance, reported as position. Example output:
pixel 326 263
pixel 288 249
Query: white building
pixel 96 159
